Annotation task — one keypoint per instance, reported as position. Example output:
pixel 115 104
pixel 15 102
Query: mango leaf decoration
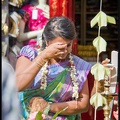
pixel 101 18
pixel 100 44
pixel 98 71
pixel 107 71
pixel 97 100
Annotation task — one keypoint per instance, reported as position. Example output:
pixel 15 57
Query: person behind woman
pixel 55 75
pixel 10 102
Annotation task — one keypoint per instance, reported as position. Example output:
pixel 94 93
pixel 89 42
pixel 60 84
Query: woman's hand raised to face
pixel 56 49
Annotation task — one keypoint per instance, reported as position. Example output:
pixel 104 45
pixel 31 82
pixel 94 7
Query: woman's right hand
pixel 37 104
pixel 54 50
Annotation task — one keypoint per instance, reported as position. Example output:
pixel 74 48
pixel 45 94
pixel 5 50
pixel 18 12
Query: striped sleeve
pixel 29 52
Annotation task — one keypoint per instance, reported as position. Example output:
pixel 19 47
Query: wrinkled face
pixel 68 48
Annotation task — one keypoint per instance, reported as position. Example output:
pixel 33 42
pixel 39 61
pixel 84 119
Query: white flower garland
pixel 44 77
pixel 72 75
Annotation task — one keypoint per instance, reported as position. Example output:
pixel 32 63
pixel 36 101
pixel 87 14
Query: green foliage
pixel 39 116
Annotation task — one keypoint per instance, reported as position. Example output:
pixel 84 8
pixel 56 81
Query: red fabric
pixel 62 8
pixel 75 47
pixel 54 8
pixel 71 10
pixel 58 8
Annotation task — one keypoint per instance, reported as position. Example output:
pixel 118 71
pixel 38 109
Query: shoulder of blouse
pixel 79 61
pixel 29 52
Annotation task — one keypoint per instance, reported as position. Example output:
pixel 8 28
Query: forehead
pixel 62 40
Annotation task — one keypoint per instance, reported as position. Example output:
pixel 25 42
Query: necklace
pixel 72 75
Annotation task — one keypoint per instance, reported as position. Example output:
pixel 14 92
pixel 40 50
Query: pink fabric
pixel 32 42
pixel 41 20
pixel 115 113
pixel 33 116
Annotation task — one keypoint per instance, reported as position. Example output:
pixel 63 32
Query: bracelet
pixel 47 109
pixel 39 65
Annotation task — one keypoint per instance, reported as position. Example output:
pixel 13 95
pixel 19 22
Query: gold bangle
pixel 39 65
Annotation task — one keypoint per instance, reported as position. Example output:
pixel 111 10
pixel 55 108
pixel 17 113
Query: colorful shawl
pixel 59 84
